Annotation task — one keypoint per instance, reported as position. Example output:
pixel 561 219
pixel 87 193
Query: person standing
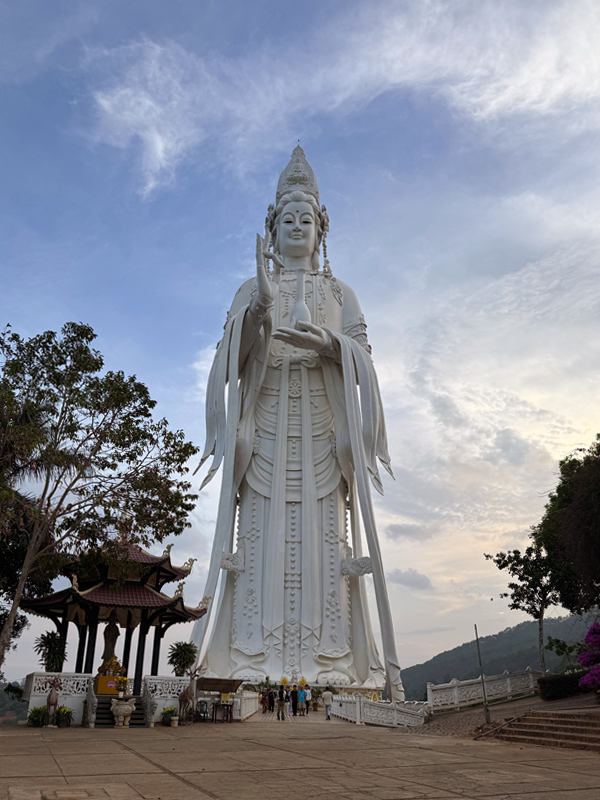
pixel 302 700
pixel 327 702
pixel 264 701
pixel 294 696
pixel 281 704
pixel 271 701
pixel 288 700
pixel 308 698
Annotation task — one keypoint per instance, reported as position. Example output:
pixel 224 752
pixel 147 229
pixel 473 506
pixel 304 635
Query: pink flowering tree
pixel 591 658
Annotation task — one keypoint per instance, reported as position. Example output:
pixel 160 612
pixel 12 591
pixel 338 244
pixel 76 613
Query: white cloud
pixel 489 60
pixel 410 578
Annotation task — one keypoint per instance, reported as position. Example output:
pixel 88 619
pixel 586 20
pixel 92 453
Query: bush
pixel 64 717
pixel 554 687
pixel 168 713
pixel 182 656
pixel 52 650
pixel 37 717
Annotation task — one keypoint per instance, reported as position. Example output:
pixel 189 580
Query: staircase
pixel 577 730
pixel 105 719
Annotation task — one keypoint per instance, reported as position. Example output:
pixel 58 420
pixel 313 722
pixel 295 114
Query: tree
pixel 52 650
pixel 570 528
pixel 534 590
pixel 13 549
pixel 93 458
pixel 182 656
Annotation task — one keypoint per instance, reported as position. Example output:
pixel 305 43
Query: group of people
pixel 296 699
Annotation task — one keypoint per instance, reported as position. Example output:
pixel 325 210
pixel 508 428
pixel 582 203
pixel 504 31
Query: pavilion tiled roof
pixel 128 596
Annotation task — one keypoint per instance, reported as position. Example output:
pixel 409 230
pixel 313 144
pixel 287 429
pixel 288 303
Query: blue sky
pixel 456 147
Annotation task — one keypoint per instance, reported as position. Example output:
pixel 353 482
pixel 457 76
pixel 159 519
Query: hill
pixel 512 649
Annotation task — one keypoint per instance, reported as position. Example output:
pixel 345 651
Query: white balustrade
pixel 460 694
pixel 358 709
pixel 73 691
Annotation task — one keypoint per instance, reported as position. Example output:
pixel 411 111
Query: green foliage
pixel 52 650
pixel 570 528
pixel 167 715
pixel 86 441
pixel 12 707
pixel 64 717
pixel 182 656
pixel 512 649
pixel 562 648
pixel 37 717
pixel 534 589
pixel 555 687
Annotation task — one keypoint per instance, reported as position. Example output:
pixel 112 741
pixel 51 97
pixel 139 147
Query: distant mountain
pixel 512 649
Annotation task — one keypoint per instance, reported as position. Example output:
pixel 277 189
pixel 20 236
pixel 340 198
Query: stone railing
pixel 72 683
pixel 359 710
pixel 73 691
pixel 459 694
pixel 244 705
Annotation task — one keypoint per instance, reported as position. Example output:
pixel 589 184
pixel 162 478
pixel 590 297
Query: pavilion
pixel 137 600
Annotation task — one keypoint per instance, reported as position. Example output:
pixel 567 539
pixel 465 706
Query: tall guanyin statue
pixel 294 418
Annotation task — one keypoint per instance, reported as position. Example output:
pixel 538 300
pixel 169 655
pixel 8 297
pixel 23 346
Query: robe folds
pixel 298 436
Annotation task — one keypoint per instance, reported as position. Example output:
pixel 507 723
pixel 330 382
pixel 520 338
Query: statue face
pixel 296 232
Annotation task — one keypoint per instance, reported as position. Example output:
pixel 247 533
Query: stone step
pixel 516 738
pixel 105 719
pixel 549 733
pixel 558 725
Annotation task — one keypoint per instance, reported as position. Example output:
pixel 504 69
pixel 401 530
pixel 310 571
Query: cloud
pixel 490 61
pixel 417 533
pixel 426 631
pixel 410 578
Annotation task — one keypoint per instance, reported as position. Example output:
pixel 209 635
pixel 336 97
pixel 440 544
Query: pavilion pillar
pixel 127 645
pixel 91 646
pixel 82 630
pixel 63 631
pixel 139 660
pixel 158 634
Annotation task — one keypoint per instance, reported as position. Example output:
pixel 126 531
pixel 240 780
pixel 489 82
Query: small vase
pixel 121 694
pixel 174 722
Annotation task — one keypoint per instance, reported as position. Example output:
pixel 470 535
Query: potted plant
pixel 37 717
pixel 121 685
pixel 182 656
pixel 52 650
pixel 316 696
pixel 64 717
pixel 168 715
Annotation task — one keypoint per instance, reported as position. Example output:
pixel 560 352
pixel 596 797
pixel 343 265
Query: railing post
pixel 455 683
pixel 358 699
pixel 508 684
pixel 430 695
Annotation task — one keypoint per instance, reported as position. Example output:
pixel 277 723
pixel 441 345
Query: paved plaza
pixel 295 760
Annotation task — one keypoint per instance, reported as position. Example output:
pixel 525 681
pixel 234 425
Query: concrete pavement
pixel 297 761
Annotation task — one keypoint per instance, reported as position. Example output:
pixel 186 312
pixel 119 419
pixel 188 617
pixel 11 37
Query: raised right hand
pixel 266 291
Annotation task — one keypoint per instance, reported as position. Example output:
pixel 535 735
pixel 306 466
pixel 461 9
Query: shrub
pixel 182 656
pixel 37 717
pixel 52 650
pixel 168 713
pixel 591 658
pixel 64 717
pixel 554 687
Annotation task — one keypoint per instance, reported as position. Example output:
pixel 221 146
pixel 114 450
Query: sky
pixel 456 148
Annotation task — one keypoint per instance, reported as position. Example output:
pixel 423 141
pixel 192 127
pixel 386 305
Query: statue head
pixel 297 206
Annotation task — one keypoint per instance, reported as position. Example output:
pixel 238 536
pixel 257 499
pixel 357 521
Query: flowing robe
pixel 298 449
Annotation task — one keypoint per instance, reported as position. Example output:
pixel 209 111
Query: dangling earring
pixel 325 217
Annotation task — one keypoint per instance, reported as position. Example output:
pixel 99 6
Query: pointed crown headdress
pixel 297 175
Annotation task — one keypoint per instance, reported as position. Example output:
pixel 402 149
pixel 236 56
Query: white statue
pixel 298 434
